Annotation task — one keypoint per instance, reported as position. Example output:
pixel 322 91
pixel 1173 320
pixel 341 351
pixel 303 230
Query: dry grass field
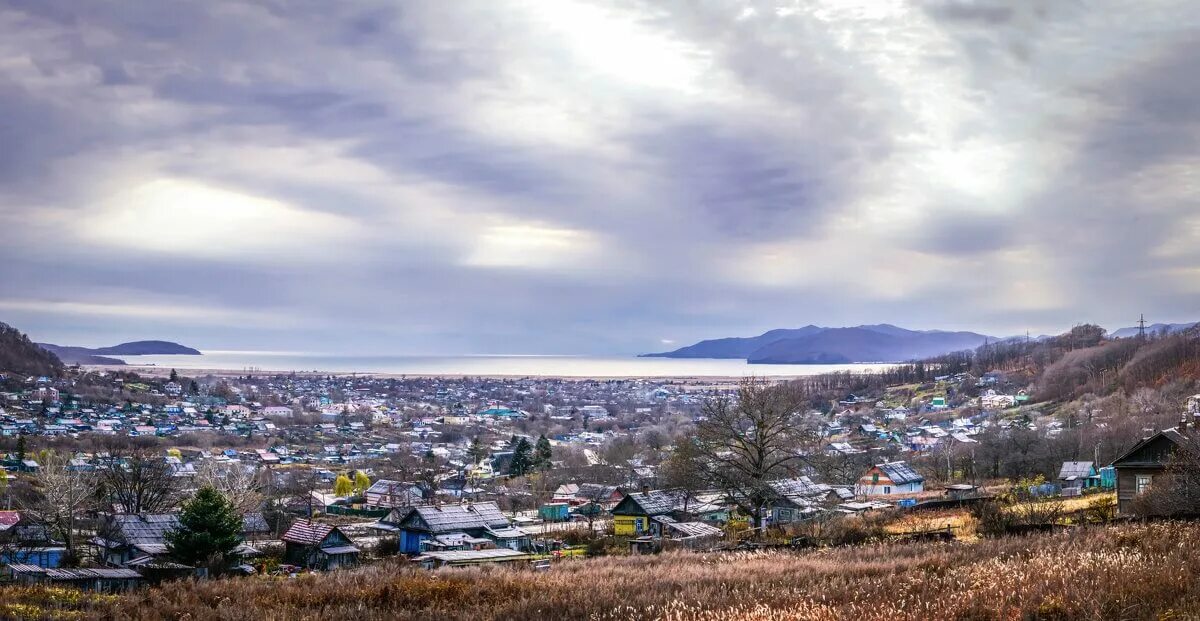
pixel 1131 572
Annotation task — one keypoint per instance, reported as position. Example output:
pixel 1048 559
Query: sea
pixel 489 365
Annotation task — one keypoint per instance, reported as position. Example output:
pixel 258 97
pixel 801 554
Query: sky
pixel 520 176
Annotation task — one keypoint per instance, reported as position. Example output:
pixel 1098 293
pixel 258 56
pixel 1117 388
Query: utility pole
pixel 1142 327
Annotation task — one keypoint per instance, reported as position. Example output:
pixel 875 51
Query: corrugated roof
pixel 144 529
pixel 1075 470
pixel 307 533
pixel 467 556
pixel 657 502
pixel 800 487
pixel 695 529
pixel 449 518
pixel 900 472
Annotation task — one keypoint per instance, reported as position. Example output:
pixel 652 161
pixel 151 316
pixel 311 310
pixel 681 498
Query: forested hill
pixel 19 355
pixel 1086 360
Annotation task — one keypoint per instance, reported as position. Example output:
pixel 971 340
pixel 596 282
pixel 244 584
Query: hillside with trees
pixel 21 356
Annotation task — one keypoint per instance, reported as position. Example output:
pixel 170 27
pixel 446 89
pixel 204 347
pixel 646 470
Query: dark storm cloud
pixel 567 177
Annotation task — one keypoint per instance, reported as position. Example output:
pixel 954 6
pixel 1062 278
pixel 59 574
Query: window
pixel 887 489
pixel 1142 482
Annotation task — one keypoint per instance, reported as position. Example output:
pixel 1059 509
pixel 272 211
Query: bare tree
pixel 748 441
pixel 62 494
pixel 683 469
pixel 142 482
pixel 240 484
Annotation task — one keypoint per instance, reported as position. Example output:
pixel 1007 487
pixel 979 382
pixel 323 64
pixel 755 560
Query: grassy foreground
pixel 1125 572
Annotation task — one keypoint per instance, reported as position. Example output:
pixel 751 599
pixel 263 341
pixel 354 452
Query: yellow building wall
pixel 630 524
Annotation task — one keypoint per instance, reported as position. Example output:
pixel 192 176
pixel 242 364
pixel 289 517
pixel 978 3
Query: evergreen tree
pixel 209 530
pixel 21 448
pixel 343 486
pixel 543 454
pixel 174 375
pixel 193 387
pixel 522 459
pixel 477 451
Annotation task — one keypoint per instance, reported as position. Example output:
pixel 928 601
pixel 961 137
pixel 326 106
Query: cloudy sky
pixel 560 176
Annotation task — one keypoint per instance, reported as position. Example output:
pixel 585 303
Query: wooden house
pixel 27 542
pixel 1138 467
pixel 1078 475
pixel 391 494
pixel 427 527
pixel 890 478
pixel 633 515
pixel 318 546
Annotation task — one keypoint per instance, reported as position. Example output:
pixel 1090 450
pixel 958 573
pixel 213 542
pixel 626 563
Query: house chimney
pixel 645 488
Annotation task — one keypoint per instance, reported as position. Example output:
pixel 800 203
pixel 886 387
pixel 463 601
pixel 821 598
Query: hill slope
pixel 735 347
pixel 817 345
pixel 99 355
pixel 20 355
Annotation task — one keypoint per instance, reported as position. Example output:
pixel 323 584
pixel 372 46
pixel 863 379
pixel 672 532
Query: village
pixel 333 472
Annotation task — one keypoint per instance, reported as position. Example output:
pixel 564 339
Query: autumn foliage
pixel 1127 572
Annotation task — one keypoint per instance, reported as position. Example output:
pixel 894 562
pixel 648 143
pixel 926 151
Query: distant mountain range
pixel 818 345
pixel 100 355
pixel 1155 328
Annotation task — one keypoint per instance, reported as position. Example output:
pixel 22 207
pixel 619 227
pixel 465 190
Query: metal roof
pixel 900 472
pixel 449 518
pixel 141 529
pixel 800 487
pixel 657 502
pixel 307 533
pixel 467 556
pixel 695 529
pixel 1075 470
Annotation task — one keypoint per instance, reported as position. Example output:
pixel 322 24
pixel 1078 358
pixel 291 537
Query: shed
pixel 318 546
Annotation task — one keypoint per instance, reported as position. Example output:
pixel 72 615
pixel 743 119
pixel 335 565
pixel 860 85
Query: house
pixel 140 541
pixel 604 495
pixel 418 525
pixel 389 494
pixel 634 514
pixel 318 546
pixel 797 499
pixel 890 478
pixel 24 541
pixel 1137 468
pixel 672 534
pixel 123 538
pixel 1078 475
pixel 566 492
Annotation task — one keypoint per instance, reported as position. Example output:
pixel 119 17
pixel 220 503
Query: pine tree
pixel 21 448
pixel 522 459
pixel 174 376
pixel 477 451
pixel 543 454
pixel 209 530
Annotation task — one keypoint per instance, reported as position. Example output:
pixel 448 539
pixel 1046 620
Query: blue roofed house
pixel 25 541
pixel 886 479
pixel 452 527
